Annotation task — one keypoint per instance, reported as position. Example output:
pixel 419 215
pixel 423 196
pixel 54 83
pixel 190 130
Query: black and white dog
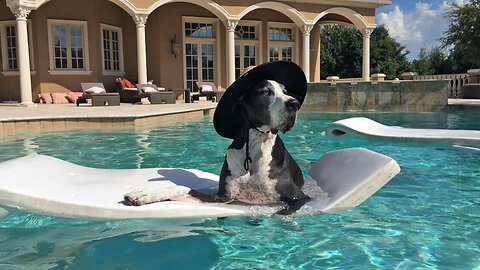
pixel 257 167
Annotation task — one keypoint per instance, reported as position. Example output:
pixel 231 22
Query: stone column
pixel 230 49
pixel 306 49
pixel 366 53
pixel 23 56
pixel 140 21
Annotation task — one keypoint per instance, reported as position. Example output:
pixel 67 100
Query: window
pixel 281 41
pixel 247 46
pixel 112 48
pixel 201 61
pixel 8 40
pixel 202 30
pixel 68 42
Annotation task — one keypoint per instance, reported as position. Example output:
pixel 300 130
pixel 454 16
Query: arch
pixel 209 5
pixel 124 4
pixel 355 17
pixel 287 10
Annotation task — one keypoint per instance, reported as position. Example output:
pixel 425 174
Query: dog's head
pixel 268 104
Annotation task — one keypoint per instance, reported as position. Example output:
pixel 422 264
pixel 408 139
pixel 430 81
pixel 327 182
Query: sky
pixel 415 23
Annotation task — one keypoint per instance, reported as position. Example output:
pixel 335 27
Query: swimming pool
pixel 427 217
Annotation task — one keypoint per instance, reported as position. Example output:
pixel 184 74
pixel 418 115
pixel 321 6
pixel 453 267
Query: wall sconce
pixel 175 45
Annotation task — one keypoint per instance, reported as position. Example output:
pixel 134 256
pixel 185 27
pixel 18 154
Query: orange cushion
pixel 73 96
pixel 45 98
pixel 128 84
pixel 59 98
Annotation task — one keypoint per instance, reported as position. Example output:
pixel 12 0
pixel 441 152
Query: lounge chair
pixel 207 89
pixel 98 94
pixel 154 94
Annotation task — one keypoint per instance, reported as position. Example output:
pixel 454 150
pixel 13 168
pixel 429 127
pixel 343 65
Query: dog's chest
pixel 253 186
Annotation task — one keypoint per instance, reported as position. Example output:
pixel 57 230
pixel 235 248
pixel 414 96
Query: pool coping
pixel 62 117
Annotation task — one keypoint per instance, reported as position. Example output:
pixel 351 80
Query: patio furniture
pixel 98 94
pixel 154 94
pixel 208 90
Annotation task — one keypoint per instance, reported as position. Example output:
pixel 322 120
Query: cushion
pixel 149 89
pixel 207 88
pixel 126 83
pixel 59 98
pixel 45 98
pixel 73 96
pixel 95 90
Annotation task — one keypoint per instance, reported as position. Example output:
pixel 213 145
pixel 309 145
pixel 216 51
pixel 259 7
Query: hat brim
pixel 227 120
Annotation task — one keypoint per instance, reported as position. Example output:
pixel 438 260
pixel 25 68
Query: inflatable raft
pixel 365 128
pixel 50 186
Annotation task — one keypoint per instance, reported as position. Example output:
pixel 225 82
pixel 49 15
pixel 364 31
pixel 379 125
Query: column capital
pixel 367 32
pixel 20 12
pixel 140 19
pixel 306 29
pixel 230 25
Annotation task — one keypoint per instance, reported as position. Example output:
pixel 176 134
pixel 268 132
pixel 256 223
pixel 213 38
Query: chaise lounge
pixel 208 90
pixel 154 94
pixel 98 94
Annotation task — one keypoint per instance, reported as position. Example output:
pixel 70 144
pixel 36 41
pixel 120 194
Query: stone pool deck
pixel 60 117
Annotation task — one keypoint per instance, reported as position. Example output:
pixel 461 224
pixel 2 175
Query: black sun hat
pixel 226 119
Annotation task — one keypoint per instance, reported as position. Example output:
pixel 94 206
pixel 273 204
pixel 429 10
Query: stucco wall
pixel 396 96
pixel 93 12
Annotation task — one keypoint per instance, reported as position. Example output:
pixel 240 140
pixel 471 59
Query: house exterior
pixel 53 45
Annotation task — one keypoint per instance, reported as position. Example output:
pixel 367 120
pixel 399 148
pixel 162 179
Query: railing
pixel 344 80
pixel 455 85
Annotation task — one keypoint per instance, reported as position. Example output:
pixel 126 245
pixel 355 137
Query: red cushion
pixel 126 83
pixel 129 84
pixel 45 98
pixel 59 98
pixel 73 96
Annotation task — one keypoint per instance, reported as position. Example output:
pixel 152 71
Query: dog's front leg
pixel 142 197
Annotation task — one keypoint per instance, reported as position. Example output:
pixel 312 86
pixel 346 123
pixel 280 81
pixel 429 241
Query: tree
pixel 422 65
pixel 463 32
pixel 341 52
pixel 389 56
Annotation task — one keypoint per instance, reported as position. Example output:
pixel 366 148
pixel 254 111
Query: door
pixel 245 56
pixel 200 64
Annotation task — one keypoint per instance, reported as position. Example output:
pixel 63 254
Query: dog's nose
pixel 292 105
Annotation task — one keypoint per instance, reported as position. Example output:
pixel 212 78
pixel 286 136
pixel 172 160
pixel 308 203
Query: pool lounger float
pixel 50 186
pixel 365 128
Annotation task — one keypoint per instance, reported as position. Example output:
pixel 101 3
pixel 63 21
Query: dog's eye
pixel 267 92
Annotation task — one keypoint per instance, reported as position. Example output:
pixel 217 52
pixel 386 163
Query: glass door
pixel 245 56
pixel 199 63
pixel 280 53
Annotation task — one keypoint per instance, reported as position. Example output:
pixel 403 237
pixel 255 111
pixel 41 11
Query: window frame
pixel 121 71
pixel 3 44
pixel 51 50
pixel 293 44
pixel 258 42
pixel 215 40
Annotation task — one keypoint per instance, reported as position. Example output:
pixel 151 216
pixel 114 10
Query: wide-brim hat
pixel 227 119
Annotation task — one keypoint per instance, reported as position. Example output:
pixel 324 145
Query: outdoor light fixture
pixel 175 45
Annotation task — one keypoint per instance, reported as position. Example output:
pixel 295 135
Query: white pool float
pixel 50 186
pixel 365 128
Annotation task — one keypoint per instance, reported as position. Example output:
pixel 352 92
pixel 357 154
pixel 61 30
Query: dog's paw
pixel 138 197
pixel 142 197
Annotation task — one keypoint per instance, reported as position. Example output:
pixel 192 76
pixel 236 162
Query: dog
pixel 267 174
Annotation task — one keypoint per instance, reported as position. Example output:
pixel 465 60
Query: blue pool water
pixel 427 217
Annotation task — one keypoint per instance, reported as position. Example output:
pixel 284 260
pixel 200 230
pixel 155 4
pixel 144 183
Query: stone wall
pixel 428 95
